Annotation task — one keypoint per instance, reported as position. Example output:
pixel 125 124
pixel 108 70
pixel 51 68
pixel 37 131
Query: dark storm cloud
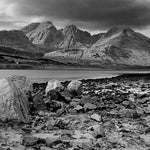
pixel 93 14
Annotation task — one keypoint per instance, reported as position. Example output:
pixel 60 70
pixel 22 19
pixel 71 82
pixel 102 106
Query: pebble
pixel 89 106
pixel 96 117
pixel 78 108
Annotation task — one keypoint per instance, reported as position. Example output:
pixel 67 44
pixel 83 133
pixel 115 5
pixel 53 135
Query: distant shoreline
pixel 71 68
pixel 38 75
pixel 113 78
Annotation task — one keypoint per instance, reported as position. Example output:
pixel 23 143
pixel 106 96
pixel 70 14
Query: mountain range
pixel 46 35
pixel 120 46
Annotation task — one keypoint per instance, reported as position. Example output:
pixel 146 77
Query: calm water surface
pixel 62 75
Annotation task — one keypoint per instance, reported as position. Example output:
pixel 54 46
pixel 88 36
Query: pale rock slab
pixel 14 104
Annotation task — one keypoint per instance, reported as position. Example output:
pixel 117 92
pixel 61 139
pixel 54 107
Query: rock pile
pixel 109 114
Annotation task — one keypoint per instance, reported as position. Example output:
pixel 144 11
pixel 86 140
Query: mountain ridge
pixel 119 46
pixel 122 45
pixel 47 35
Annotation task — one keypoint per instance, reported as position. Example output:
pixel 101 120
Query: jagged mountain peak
pixel 74 29
pixel 30 27
pixel 125 30
pixel 121 45
pixel 77 38
pixel 71 27
pixel 43 33
pixel 120 27
pixel 47 22
pixel 46 25
pixel 37 26
pixel 46 35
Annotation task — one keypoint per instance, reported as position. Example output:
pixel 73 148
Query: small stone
pixel 29 140
pixel 87 146
pixel 76 100
pixel 27 129
pixel 139 111
pixel 50 142
pixel 84 100
pixel 147 110
pixel 78 108
pixel 97 131
pixel 61 111
pixel 89 106
pixel 55 105
pixel 144 100
pixel 72 111
pixel 61 123
pixel 74 104
pixel 132 98
pixel 96 117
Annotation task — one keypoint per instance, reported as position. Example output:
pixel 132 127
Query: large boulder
pixel 54 85
pixel 75 87
pixel 22 81
pixel 14 104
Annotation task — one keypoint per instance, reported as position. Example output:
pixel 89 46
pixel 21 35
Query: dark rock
pixel 52 141
pixel 54 95
pixel 61 124
pixel 54 105
pixel 144 100
pixel 38 102
pixel 27 129
pixel 57 143
pixel 39 87
pixel 66 94
pixel 29 140
pixel 147 131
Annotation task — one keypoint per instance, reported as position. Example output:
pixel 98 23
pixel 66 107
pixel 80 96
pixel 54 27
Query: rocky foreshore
pixel 95 114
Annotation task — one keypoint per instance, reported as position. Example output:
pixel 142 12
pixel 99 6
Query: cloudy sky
pixel 92 15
